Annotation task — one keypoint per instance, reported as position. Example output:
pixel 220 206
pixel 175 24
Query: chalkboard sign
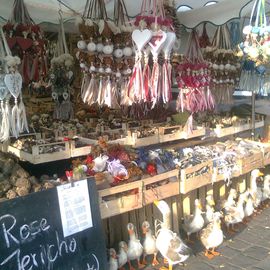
pixel 31 235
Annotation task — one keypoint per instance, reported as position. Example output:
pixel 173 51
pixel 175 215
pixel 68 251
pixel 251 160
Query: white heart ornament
pixel 3 87
pixel 141 38
pixel 157 41
pixel 13 82
pixel 169 43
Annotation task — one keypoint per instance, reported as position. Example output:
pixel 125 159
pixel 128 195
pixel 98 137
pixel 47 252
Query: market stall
pixel 116 101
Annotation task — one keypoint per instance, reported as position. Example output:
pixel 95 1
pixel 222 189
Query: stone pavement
pixel 247 249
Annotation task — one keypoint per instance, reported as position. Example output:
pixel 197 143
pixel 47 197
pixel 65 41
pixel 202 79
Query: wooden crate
pixel 117 200
pixel 217 176
pixel 198 132
pixel 170 133
pixel 222 132
pixel 161 186
pixel 36 157
pixel 133 140
pixel 77 151
pixel 251 162
pixel 265 149
pixel 259 124
pixel 189 183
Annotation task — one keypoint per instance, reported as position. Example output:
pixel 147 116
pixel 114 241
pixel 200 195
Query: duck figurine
pixel 113 263
pixel 230 201
pixel 212 236
pixel 266 190
pixel 122 255
pixel 135 249
pixel 235 214
pixel 256 192
pixel 149 244
pixel 249 207
pixel 194 223
pixel 171 246
pixel 209 209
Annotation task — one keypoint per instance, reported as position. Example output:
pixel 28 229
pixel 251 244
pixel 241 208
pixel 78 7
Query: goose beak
pixel 130 232
pixel 212 203
pixel 261 174
pixel 156 203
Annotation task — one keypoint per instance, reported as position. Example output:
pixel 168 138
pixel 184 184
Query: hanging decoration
pixel 61 77
pixel 255 51
pixel 13 120
pixel 26 40
pixel 193 79
pixel 154 38
pixel 225 67
pixel 105 53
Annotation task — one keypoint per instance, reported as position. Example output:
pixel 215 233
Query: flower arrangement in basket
pixel 26 40
pixel 13 121
pixel 225 66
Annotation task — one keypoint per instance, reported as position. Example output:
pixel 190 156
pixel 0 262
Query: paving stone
pixel 199 265
pixel 228 252
pixel 265 264
pixel 263 243
pixel 247 237
pixel 257 253
pixel 217 261
pixel 244 261
pixel 238 244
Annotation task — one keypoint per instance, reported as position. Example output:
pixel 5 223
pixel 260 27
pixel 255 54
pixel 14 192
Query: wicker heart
pixel 3 87
pixel 24 43
pixel 169 43
pixel 14 83
pixel 141 38
pixel 157 41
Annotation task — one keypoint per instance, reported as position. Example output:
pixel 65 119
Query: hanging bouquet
pixel 105 53
pixel 61 77
pixel 225 66
pixel 12 121
pixel 193 79
pixel 26 40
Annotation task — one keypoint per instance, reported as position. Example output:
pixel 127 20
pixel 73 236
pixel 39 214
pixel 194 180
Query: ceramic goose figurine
pixel 113 264
pixel 194 223
pixel 256 192
pixel 171 247
pixel 209 207
pixel 135 249
pixel 230 202
pixel 235 214
pixel 249 208
pixel 122 255
pixel 266 190
pixel 149 244
pixel 212 236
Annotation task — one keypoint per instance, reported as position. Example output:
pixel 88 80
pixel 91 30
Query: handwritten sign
pixel 75 207
pixel 31 235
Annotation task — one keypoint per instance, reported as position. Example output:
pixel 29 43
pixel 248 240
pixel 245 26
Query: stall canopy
pixel 218 13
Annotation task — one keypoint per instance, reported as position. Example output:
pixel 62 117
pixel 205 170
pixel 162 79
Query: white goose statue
pixel 171 247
